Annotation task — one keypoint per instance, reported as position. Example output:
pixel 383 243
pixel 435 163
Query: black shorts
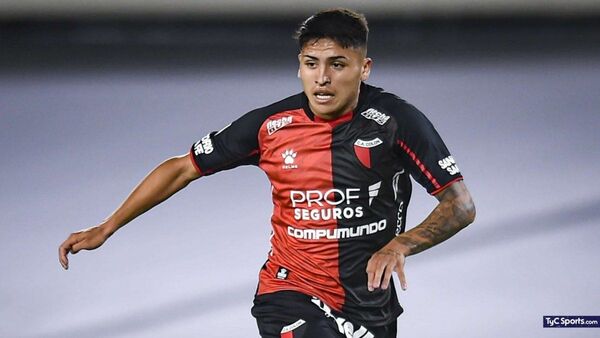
pixel 290 314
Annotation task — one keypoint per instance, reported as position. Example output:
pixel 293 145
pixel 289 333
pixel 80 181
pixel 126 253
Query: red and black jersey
pixel 340 190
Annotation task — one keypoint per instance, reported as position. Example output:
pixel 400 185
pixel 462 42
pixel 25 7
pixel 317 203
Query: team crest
pixel 364 150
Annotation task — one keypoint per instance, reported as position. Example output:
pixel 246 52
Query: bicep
pixel 456 190
pixel 457 195
pixel 186 167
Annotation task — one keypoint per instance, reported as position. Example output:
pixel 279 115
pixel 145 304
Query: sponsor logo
pixel 396 187
pixel 449 165
pixel 368 144
pixel 373 114
pixel 338 233
pixel 275 125
pixel 334 198
pixel 282 273
pixel 344 326
pixel 374 191
pixel 204 146
pixel 399 229
pixel 288 159
pixel 293 326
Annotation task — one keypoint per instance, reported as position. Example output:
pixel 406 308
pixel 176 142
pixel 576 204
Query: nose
pixel 323 77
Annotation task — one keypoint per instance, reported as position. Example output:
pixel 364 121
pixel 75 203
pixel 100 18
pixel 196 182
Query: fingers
pixel 63 251
pixel 387 276
pixel 62 257
pixel 70 245
pixel 87 239
pixel 401 276
pixel 370 275
pixel 374 272
pixel 400 271
pixel 380 268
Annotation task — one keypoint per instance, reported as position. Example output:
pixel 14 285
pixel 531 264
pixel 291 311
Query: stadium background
pixel 95 94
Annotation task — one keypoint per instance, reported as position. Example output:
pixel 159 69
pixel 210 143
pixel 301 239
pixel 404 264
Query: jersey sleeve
pixel 232 146
pixel 428 159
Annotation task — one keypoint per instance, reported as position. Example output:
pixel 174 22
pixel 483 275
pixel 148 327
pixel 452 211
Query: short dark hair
pixel 344 26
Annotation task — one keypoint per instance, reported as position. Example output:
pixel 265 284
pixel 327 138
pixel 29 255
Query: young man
pixel 339 156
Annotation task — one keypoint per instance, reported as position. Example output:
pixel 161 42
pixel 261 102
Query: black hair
pixel 344 26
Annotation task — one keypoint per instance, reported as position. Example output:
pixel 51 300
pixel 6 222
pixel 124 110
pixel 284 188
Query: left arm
pixel 454 211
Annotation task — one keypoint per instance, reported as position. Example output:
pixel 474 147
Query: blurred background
pixel 94 94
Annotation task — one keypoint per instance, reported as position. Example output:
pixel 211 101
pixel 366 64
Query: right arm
pixel 165 180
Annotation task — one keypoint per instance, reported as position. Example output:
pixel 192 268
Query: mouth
pixel 323 96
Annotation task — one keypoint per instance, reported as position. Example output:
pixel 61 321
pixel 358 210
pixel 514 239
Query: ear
pixel 366 69
pixel 299 63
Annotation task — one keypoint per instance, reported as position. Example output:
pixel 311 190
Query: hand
pixel 382 264
pixel 87 239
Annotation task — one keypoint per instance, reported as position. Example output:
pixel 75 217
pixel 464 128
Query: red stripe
pixel 289 334
pixel 419 164
pixel 194 162
pixel 437 191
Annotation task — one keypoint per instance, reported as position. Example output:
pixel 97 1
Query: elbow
pixel 468 211
pixel 460 203
pixel 183 168
pixel 471 213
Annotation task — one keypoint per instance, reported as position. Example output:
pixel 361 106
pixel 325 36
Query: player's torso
pixel 338 195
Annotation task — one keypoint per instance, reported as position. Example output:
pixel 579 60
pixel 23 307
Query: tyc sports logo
pixel 449 165
pixel 571 321
pixel 275 125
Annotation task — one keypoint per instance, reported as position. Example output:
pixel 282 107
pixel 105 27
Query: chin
pixel 327 113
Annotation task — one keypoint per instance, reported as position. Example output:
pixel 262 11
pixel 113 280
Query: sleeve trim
pixel 195 164
pixel 420 165
pixel 440 189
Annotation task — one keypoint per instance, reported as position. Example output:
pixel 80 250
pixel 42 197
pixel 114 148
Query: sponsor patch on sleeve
pixel 204 146
pixel 449 164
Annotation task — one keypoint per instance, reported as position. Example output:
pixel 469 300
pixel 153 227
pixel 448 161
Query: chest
pixel 319 156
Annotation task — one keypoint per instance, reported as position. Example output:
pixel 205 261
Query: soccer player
pixel 339 156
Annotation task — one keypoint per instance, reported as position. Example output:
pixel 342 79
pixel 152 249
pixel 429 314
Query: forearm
pixel 454 212
pixel 161 183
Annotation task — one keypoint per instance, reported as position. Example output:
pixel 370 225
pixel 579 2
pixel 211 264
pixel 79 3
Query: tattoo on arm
pixel 454 212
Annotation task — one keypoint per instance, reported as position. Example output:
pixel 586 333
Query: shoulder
pixel 389 102
pixel 251 121
pixel 380 101
pixel 289 103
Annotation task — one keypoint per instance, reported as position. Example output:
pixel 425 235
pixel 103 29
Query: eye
pixel 310 64
pixel 338 65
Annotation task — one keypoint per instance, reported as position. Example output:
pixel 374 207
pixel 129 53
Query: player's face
pixel 331 76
